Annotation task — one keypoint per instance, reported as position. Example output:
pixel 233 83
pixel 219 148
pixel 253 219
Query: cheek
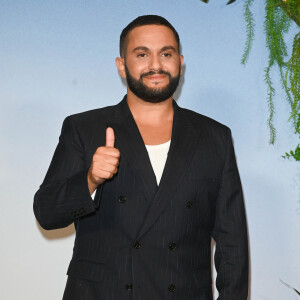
pixel 173 67
pixel 136 69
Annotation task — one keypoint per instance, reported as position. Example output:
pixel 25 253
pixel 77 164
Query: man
pixel 166 181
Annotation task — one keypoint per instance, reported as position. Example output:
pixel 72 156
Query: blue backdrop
pixel 57 58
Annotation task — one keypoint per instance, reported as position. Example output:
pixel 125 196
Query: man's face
pixel 152 64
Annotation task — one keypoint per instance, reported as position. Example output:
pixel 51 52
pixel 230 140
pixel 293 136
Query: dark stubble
pixel 152 95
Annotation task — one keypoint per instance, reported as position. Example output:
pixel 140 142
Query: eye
pixel 142 55
pixel 166 54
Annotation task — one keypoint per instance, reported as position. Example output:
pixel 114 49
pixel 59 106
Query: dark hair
pixel 141 21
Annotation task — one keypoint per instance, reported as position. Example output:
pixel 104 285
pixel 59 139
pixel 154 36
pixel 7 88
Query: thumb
pixel 110 137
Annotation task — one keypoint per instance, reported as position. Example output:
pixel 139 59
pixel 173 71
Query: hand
pixel 105 162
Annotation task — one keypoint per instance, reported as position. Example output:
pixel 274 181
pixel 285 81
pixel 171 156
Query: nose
pixel 155 63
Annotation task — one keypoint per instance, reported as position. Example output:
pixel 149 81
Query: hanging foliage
pixel 250 30
pixel 276 25
pixel 292 8
pixel 279 15
pixel 293 77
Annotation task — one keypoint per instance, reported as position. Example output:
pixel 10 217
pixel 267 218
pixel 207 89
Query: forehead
pixel 150 36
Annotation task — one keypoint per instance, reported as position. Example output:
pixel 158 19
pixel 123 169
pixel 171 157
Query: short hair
pixel 141 21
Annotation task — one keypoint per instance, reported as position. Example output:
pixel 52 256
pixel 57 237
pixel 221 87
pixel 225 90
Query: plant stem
pixel 285 6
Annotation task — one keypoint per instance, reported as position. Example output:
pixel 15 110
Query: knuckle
pixel 103 175
pixel 100 150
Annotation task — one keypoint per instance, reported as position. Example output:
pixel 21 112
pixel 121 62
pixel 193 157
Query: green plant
pixel 250 30
pixel 296 153
pixel 278 20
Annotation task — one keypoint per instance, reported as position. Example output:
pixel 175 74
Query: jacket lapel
pixel 182 149
pixel 132 148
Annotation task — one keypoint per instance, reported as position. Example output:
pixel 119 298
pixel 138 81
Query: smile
pixel 156 77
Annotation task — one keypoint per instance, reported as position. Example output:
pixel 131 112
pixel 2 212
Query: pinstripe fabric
pixel 142 241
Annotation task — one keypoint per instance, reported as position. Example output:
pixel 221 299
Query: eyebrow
pixel 168 48
pixel 140 48
pixel 143 48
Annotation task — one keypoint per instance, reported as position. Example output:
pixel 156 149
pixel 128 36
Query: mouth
pixel 156 77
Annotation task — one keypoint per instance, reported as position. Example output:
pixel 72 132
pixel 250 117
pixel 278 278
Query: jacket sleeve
pixel 64 196
pixel 230 233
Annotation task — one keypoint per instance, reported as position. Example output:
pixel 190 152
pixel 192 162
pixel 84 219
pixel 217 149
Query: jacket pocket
pixel 84 269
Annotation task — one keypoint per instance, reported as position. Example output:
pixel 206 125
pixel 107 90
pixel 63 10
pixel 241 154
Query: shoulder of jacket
pixel 94 113
pixel 89 118
pixel 199 120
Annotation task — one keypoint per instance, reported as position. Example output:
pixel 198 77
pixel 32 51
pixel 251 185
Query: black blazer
pixel 138 240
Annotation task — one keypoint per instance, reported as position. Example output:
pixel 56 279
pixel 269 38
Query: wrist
pixel 92 185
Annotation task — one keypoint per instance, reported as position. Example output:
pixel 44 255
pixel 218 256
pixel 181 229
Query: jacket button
pixel 122 199
pixel 129 287
pixel 172 246
pixel 172 288
pixel 137 245
pixel 189 204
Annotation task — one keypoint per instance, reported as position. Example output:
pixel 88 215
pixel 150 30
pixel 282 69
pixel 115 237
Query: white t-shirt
pixel 158 156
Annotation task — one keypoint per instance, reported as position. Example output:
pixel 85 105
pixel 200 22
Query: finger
pixel 107 151
pixel 106 167
pixel 104 175
pixel 106 172
pixel 114 161
pixel 106 154
pixel 110 137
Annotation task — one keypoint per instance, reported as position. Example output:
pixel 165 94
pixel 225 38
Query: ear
pixel 181 63
pixel 120 63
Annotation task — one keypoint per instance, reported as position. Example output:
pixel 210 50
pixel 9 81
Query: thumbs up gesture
pixel 104 163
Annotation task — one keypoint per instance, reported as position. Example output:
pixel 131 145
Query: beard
pixel 152 95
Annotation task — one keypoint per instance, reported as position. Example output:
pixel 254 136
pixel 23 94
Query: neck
pixel 150 113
